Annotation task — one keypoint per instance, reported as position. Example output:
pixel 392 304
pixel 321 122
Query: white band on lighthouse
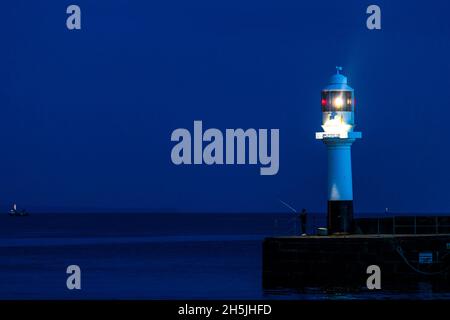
pixel 339 169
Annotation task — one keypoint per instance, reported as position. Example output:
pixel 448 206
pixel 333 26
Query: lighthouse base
pixel 340 216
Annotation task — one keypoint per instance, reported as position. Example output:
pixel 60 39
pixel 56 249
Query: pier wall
pixel 328 261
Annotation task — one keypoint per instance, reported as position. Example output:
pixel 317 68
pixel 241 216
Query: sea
pixel 154 256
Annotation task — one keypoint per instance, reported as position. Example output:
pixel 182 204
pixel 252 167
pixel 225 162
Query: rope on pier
pixel 399 249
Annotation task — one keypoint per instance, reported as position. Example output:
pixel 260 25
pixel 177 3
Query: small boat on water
pixel 16 213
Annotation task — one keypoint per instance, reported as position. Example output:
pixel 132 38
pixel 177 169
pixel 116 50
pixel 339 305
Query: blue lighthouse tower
pixel 338 122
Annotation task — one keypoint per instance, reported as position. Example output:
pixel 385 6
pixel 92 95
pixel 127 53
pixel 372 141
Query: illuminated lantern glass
pixel 334 101
pixel 338 102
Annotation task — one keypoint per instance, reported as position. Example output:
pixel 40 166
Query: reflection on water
pixel 420 291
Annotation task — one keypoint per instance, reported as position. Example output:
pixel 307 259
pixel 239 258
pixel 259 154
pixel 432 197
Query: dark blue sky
pixel 86 116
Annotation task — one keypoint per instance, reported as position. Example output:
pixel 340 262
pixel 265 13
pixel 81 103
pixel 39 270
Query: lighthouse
pixel 338 122
pixel 293 263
